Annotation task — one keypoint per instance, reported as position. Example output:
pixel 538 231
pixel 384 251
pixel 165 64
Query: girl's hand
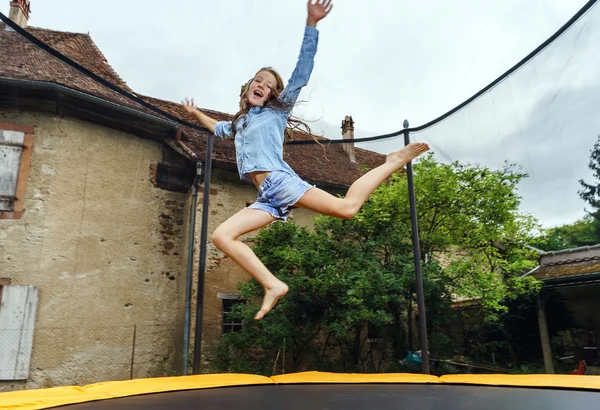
pixel 318 11
pixel 204 119
pixel 189 105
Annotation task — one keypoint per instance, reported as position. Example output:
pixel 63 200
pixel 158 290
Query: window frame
pixel 3 282
pixel 231 326
pixel 23 174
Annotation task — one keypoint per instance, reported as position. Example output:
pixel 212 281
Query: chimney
pixel 348 133
pixel 19 12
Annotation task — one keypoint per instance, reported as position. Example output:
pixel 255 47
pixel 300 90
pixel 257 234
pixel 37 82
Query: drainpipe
pixel 531 271
pixel 59 90
pixel 190 263
pixel 540 252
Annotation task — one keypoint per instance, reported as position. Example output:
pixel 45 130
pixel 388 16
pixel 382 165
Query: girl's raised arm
pixel 219 128
pixel 301 74
pixel 318 11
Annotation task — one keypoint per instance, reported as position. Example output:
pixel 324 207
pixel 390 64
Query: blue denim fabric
pixel 260 134
pixel 279 192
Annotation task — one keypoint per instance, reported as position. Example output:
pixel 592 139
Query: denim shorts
pixel 278 193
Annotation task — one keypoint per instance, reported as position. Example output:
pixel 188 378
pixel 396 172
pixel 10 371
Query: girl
pixel 258 128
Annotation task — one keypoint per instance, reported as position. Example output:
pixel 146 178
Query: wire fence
pixel 81 355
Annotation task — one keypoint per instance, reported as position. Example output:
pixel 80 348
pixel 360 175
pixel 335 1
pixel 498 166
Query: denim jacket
pixel 260 134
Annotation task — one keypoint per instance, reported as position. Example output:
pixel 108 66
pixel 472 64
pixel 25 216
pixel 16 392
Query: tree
pixel 579 233
pixel 339 292
pixel 591 192
pixel 468 216
pixel 352 285
pixel 585 231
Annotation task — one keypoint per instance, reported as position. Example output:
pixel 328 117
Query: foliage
pixel 352 285
pixel 590 193
pixel 568 236
pixel 514 338
pixel 586 231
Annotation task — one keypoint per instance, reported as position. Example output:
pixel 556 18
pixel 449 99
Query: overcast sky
pixel 380 61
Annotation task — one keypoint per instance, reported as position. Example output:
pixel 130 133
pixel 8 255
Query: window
pixel 16 143
pixel 230 322
pixel 373 334
pixel 17 322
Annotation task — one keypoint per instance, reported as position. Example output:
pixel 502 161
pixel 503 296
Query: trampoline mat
pixel 356 396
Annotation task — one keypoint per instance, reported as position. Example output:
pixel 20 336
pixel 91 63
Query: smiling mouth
pixel 258 94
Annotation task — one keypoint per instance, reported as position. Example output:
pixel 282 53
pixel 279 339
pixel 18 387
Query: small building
pixel 573 275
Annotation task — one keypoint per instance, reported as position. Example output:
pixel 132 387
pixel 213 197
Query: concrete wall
pixel 104 246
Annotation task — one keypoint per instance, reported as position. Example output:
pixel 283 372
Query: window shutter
pixel 11 148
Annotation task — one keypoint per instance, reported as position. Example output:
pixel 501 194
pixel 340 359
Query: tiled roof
pixel 569 262
pixel 568 269
pixel 22 60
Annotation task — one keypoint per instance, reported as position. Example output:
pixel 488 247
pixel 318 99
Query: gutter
pixel 563 251
pixel 58 88
pixel 573 280
pixel 62 89
pixel 530 272
pixel 582 248
pixel 541 252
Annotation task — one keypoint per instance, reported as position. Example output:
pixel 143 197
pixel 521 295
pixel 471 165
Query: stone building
pixel 95 200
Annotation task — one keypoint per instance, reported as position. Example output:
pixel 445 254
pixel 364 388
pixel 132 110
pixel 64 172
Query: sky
pixel 381 61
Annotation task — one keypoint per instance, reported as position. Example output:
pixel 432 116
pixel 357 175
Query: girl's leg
pixel 324 203
pixel 225 238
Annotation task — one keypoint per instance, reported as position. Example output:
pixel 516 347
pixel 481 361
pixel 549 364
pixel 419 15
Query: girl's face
pixel 260 88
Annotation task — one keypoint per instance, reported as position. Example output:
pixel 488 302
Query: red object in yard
pixel 581 369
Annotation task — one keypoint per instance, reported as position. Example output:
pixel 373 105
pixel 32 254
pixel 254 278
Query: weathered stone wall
pixel 104 246
pixel 109 252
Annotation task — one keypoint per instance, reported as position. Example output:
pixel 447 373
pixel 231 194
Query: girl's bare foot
pixel 405 155
pixel 272 295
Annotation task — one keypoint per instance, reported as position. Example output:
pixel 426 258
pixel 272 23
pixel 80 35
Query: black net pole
pixel 417 258
pixel 202 264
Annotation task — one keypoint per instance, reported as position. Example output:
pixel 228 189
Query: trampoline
pixel 549 65
pixel 315 390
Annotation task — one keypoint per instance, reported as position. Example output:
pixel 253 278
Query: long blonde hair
pixel 272 102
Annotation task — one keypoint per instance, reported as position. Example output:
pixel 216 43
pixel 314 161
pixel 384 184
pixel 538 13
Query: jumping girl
pixel 258 128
